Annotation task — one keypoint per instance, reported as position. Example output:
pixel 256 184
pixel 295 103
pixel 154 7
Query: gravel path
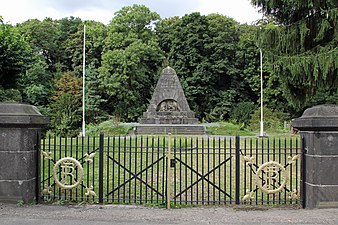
pixel 118 214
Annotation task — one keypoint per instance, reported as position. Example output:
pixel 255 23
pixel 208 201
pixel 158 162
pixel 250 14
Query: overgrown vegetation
pixel 215 57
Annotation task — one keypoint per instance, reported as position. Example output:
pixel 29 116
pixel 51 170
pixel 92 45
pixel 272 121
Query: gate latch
pixel 172 163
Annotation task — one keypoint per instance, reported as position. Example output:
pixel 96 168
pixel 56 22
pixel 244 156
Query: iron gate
pixel 165 170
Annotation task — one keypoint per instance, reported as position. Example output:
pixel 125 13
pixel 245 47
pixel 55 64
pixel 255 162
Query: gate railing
pixel 171 170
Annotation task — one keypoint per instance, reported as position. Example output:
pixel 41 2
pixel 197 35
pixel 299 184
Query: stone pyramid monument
pixel 169 111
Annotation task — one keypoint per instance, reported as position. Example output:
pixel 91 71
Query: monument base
pixel 182 129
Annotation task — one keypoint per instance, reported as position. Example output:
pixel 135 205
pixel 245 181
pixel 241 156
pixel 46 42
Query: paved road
pixel 127 215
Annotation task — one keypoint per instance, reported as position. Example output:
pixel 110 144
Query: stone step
pixel 170 128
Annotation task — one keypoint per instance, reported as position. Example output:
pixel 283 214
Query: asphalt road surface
pixel 127 215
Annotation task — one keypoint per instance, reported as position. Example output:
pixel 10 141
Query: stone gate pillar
pixel 20 127
pixel 319 131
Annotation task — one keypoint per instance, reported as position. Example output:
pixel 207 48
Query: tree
pixel 43 38
pixel 93 96
pixel 15 55
pixel 48 38
pixel 65 109
pixel 96 33
pixel 301 38
pixel 36 83
pixel 204 51
pixel 131 61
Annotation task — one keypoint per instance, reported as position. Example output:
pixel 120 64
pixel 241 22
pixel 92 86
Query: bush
pixel 273 120
pixel 241 113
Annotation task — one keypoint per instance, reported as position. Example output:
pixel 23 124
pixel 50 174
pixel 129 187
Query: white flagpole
pixel 83 82
pixel 262 124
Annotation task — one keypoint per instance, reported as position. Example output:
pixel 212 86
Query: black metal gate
pixel 171 171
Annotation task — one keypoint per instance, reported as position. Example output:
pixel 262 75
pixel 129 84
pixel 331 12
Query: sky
pixel 18 11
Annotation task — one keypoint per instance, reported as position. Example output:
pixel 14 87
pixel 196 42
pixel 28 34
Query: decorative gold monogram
pixel 68 173
pixel 271 177
pixel 271 172
pixel 69 179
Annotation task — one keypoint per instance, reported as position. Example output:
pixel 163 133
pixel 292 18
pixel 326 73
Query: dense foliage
pixel 301 38
pixel 215 57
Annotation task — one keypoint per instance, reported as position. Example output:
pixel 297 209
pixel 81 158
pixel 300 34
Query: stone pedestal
pixel 319 131
pixel 20 126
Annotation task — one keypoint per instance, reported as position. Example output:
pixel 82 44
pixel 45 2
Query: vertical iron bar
pixel 202 165
pixel 225 169
pixel 107 168
pixel 136 158
pixel 125 165
pixel 291 165
pixel 141 165
pixel 158 169
pixel 113 168
pixel 251 184
pixel 231 170
pixel 197 169
pixel 245 169
pixel 262 147
pixel 76 156
pixel 119 169
pixel 274 159
pixel 130 167
pixel 237 143
pixel 168 172
pixel 164 171
pixel 285 143
pixel 219 171
pixel 268 156
pixel 279 160
pixel 257 150
pixel 71 155
pixel 297 172
pixel 191 172
pixel 147 155
pixel 152 169
pixel 93 167
pixel 186 168
pixel 101 148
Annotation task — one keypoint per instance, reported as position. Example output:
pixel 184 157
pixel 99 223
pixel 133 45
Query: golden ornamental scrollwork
pixel 270 177
pixel 68 173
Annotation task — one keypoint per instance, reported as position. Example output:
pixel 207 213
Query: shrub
pixel 242 111
pixel 273 120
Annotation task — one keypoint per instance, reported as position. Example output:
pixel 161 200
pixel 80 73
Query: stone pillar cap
pixel 21 114
pixel 321 117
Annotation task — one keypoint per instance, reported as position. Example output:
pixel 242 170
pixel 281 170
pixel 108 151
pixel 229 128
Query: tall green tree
pixel 301 38
pixel 15 55
pixel 65 109
pixel 36 83
pixel 96 33
pixel 131 61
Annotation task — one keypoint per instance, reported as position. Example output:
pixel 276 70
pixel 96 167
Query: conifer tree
pixel 301 39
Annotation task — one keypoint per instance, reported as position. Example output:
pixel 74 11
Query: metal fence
pixel 170 170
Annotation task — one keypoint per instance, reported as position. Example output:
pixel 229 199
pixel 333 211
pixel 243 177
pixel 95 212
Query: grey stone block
pixel 18 139
pixel 18 165
pixel 319 196
pixel 15 190
pixel 321 170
